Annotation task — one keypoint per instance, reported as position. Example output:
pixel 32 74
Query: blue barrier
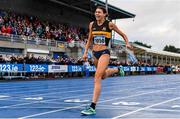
pixel 154 68
pixel 36 68
pixel 142 69
pixel 75 68
pixel 127 68
pixel 66 68
pixel 11 67
pixel 92 68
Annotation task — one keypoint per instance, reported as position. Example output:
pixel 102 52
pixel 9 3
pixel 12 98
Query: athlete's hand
pixel 85 56
pixel 129 46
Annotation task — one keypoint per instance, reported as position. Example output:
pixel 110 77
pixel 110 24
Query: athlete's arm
pixel 112 26
pixel 88 40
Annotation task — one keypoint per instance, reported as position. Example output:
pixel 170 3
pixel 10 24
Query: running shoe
pixel 121 71
pixel 88 111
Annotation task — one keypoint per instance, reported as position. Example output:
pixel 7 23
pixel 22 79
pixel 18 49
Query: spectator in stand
pixel 9 29
pixel 47 28
pixel 12 23
pixel 1 21
pixel 39 30
pixel 3 30
pixel 62 37
pixel 20 59
pixel 69 39
pixel 48 35
pixel 1 59
pixel 13 59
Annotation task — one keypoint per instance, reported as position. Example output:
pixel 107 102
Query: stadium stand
pixel 28 39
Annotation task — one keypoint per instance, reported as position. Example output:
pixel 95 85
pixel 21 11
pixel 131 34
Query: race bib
pixel 99 40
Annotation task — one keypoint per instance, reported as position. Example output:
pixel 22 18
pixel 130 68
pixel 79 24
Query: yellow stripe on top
pixel 105 33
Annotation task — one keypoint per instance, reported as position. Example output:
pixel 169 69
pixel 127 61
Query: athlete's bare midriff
pixel 99 47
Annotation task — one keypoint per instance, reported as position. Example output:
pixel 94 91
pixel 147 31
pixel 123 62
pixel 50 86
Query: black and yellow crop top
pixel 101 34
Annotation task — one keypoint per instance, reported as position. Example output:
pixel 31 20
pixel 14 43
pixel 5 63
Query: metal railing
pixel 39 41
pixel 48 42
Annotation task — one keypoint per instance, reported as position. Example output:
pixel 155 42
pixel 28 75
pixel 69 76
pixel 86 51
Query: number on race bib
pixel 99 40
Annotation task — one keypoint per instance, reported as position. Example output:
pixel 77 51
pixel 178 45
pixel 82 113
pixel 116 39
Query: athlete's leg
pixel 101 65
pixel 109 72
pixel 95 61
pixel 101 68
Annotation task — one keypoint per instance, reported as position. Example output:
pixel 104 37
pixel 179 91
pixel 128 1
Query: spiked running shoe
pixel 121 71
pixel 88 111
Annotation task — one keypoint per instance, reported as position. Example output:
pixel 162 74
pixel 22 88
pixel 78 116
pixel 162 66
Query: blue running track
pixel 151 96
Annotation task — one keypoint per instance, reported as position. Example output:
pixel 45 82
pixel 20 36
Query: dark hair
pixel 102 8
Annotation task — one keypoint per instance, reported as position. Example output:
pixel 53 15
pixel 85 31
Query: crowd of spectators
pixel 23 25
pixel 31 59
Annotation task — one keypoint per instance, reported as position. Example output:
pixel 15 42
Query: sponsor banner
pixel 148 68
pixel 154 68
pixel 57 68
pixel 67 68
pixel 142 68
pixel 75 68
pixel 137 68
pixel 36 68
pixel 133 68
pixel 92 68
pixel 11 67
pixel 127 68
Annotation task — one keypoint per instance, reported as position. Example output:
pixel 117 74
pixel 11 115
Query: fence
pixel 11 71
pixel 39 41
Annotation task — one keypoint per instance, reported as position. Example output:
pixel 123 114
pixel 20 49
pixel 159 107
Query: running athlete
pixel 100 34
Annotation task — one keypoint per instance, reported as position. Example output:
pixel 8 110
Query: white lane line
pixel 164 110
pixel 47 101
pixel 75 100
pixel 61 92
pixel 69 87
pixel 67 108
pixel 145 108
pixel 126 103
pixel 34 98
pixel 48 112
pixel 175 106
pixel 44 94
pixel 26 103
pixel 4 96
pixel 99 108
pixel 55 92
pixel 36 83
pixel 73 86
pixel 14 87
